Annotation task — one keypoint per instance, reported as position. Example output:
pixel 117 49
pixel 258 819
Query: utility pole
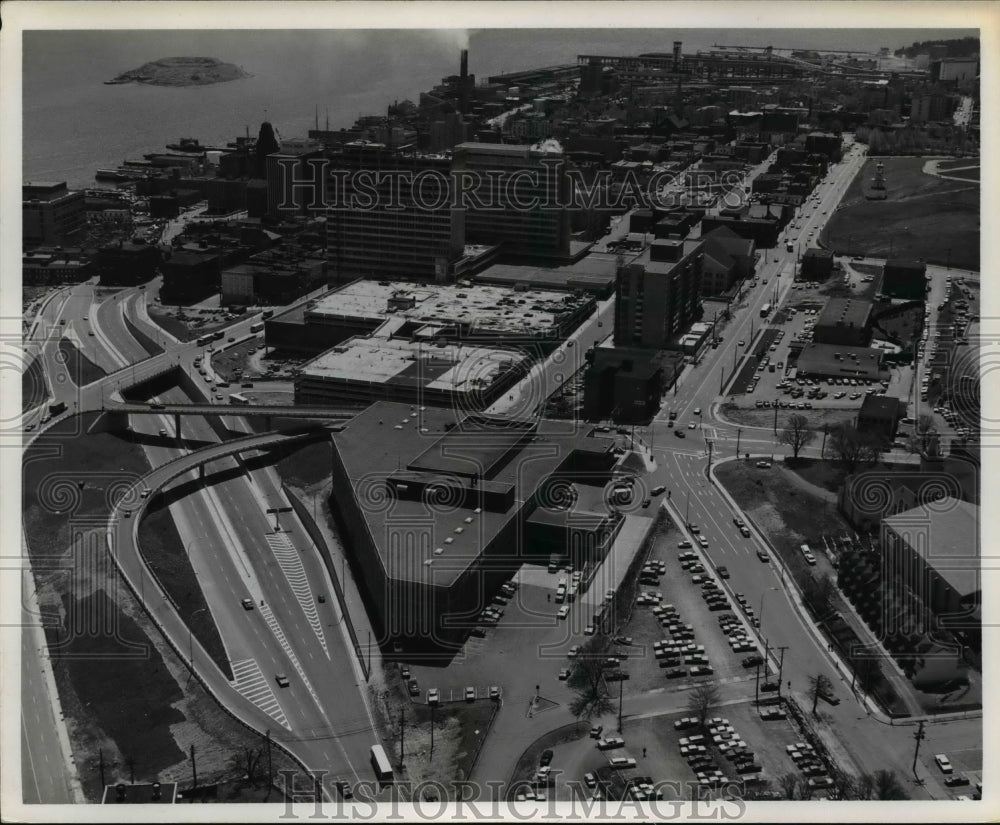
pixel 722 380
pixel 919 737
pixel 687 509
pixel 194 770
pixel 402 728
pixel 620 694
pixel 739 432
pixel 432 731
pixel 775 405
pixel 767 651
pixel 756 688
pixel 709 443
pixel 100 752
pixel 781 664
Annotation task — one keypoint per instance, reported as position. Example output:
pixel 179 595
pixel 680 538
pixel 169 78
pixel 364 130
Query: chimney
pixel 677 55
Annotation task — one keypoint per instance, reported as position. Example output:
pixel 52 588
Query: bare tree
pixel 804 788
pixel 865 786
pixel 588 674
pixel 887 785
pixel 925 432
pixel 819 685
pixel 848 445
pixel 797 434
pixel 701 700
pixel 588 703
pixel 845 784
pixel 246 760
pixel 788 784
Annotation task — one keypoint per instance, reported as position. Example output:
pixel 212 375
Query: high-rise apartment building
pixel 658 294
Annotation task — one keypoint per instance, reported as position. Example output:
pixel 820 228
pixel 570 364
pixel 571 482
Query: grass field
pixel 148 343
pixel 82 369
pixel 161 546
pixel 33 389
pixel 922 217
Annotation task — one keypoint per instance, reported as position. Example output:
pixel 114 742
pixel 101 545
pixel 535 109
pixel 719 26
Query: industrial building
pixel 845 321
pixel 52 215
pixel 880 415
pixel 438 509
pixel 658 294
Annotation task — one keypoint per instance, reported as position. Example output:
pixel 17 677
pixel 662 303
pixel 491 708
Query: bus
pixel 380 763
pixel 765 310
pixel 205 339
pixel 258 327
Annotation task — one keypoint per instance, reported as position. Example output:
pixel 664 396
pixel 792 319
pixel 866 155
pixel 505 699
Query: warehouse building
pixel 838 361
pixel 844 321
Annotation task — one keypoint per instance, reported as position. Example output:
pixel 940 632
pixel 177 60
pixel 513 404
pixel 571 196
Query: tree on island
pixel 797 434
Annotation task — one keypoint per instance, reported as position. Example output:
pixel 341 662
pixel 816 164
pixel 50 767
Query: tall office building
pixel 386 226
pixel 291 164
pixel 658 294
pixel 524 192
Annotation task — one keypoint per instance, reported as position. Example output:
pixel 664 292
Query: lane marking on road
pixel 291 565
pixel 253 686
pixel 279 634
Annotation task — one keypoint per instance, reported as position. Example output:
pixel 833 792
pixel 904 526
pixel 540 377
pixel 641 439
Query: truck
pixel 381 764
pixel 765 310
pixel 267 313
pixel 789 247
pixel 57 407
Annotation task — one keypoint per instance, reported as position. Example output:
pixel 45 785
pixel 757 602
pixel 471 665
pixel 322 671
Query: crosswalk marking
pixel 291 565
pixel 253 686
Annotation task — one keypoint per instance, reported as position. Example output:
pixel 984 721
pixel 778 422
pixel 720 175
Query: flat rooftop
pixel 376 360
pixel 595 272
pixel 479 307
pixel 952 548
pixel 845 312
pixel 438 443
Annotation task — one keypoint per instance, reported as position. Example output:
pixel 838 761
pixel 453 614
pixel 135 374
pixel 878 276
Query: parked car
pixel 563 611
pixel 610 743
pixel 413 687
pixel 564 674
pixel 433 697
pixel 943 762
pixel 621 762
pixel 546 758
pixel 495 693
pixel 596 731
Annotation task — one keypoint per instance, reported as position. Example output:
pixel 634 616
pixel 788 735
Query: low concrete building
pixel 838 361
pixel 844 321
pixel 880 415
pixel 817 265
pixel 904 279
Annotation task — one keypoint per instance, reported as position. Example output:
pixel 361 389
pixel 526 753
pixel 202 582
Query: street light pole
pixel 190 636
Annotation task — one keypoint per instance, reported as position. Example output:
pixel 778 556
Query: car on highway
pixel 692 425
pixel 742 343
pixel 763 556
pixel 433 696
pixel 470 694
pixel 247 604
pixel 679 433
pixel 723 572
pixel 282 680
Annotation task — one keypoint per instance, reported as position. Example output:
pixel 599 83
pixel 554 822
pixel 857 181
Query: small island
pixel 181 71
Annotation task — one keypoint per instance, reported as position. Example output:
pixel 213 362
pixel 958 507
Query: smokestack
pixel 463 83
pixel 677 54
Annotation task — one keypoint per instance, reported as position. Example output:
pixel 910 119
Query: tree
pixel 925 433
pixel 588 674
pixel 865 786
pixel 797 434
pixel 844 783
pixel 589 703
pixel 788 784
pixel 847 445
pixel 701 700
pixel 818 592
pixel 819 685
pixel 246 760
pixel 887 785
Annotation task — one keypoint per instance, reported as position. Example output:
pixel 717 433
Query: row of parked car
pixel 720 740
pixel 808 762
